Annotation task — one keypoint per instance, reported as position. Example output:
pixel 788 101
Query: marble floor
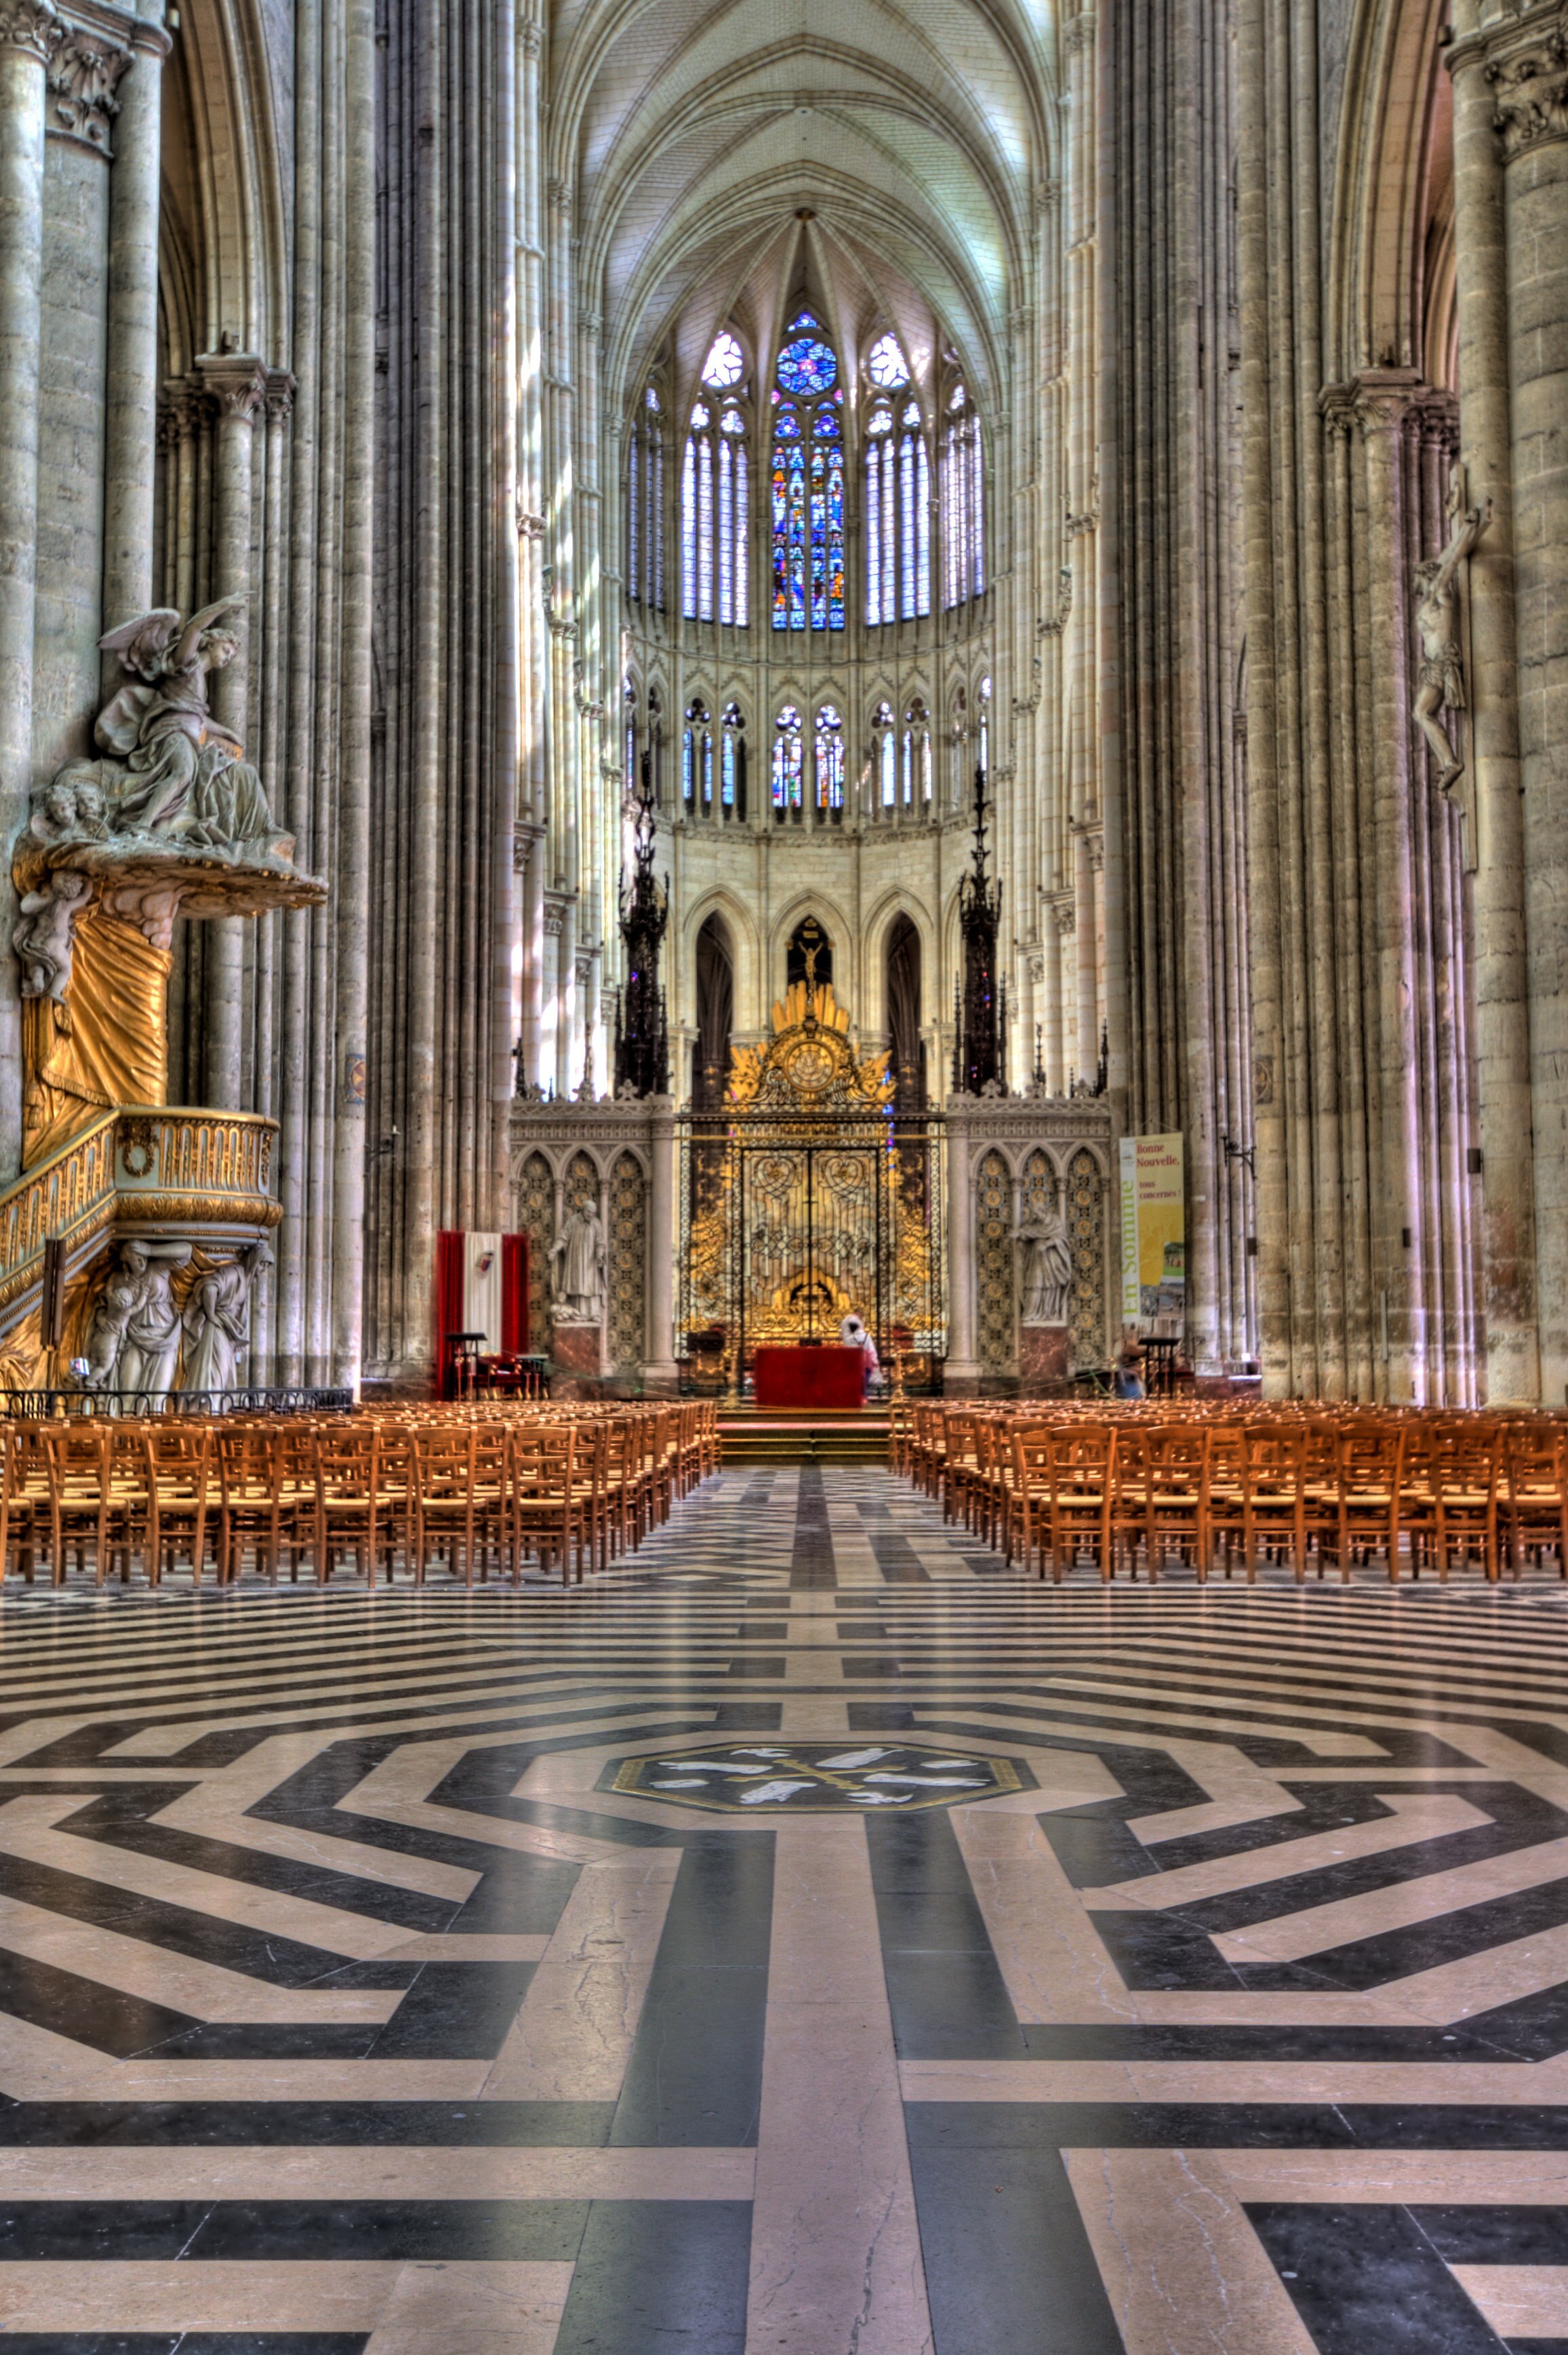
pixel 812 1938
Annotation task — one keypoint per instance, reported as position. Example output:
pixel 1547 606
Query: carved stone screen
pixel 1086 1232
pixel 994 1256
pixel 628 1256
pixel 536 1218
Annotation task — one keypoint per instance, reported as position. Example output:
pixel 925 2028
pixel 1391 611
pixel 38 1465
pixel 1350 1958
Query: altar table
pixel 828 1377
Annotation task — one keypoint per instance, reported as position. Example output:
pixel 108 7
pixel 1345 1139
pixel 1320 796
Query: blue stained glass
pixel 808 366
pixel 787 425
pixel 835 540
pixel 818 540
pixel 787 759
pixel 827 428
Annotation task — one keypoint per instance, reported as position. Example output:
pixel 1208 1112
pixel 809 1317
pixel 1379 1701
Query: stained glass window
pixel 787 759
pixel 696 759
pixel 829 759
pixel 898 516
pixel 645 505
pixel 885 736
pixel 808 488
pixel 725 364
pixel 963 502
pixel 885 364
pixel 732 763
pixel 715 485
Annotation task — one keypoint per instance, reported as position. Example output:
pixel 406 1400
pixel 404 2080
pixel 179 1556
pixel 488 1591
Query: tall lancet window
pixel 787 761
pixel 807 485
pixel 715 494
pixel 962 502
pixel 696 759
pixel 829 759
pixel 645 505
pixel 897 493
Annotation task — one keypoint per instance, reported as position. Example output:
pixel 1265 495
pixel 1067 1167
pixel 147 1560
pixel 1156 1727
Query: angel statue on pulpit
pixel 170 768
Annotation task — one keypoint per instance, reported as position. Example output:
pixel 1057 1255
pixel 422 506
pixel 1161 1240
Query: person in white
pixel 854 1336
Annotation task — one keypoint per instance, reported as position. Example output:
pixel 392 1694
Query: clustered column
pixel 30 33
pixel 1511 93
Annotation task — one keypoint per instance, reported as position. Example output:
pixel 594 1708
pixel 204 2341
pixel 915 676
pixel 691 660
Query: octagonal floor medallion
pixel 747 1778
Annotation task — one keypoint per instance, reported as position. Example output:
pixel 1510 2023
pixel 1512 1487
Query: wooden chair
pixel 442 1460
pixel 544 1463
pixel 257 1501
pixel 1083 1463
pixel 1031 1490
pixel 1176 1495
pixel 76 1468
pixel 345 1469
pixel 24 1494
pixel 1536 1502
pixel 1370 1463
pixel 176 1510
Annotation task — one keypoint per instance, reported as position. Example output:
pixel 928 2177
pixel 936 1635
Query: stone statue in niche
pixel 1440 681
pixel 134 1335
pixel 1047 1269
pixel 218 1320
pixel 578 1262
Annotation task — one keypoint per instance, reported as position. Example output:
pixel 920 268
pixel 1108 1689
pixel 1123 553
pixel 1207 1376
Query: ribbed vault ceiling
pixel 910 135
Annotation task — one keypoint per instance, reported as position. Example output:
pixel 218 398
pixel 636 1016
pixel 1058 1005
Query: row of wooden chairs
pixel 1415 1492
pixel 477 1493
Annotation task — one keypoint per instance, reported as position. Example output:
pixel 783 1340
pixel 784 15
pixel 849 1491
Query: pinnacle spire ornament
pixel 642 1027
pixel 980 1025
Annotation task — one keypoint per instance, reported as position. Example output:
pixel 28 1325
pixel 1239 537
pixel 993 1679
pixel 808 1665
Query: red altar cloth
pixel 825 1378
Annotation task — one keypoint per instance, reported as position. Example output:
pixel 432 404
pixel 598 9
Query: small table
pixel 828 1377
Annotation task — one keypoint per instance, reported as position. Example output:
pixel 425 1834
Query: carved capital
pixel 236 383
pixel 558 194
pixel 31 25
pixel 83 78
pixel 530 39
pixel 1336 403
pixel 179 412
pixel 1381 399
pixel 1529 88
pixel 1064 915
pixel 280 393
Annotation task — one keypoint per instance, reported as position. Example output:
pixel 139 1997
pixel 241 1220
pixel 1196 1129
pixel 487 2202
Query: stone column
pixel 963 1370
pixel 1085 929
pixel 1512 1368
pixel 84 77
pixel 1527 67
pixel 238 384
pixel 1383 398
pixel 663 1243
pixel 29 35
pixel 132 388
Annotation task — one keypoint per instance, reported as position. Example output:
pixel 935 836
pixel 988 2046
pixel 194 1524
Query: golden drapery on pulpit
pixel 105 1044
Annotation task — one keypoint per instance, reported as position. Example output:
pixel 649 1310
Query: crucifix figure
pixel 1440 682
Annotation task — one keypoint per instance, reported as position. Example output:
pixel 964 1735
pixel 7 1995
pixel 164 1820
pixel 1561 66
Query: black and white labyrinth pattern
pixel 362 1989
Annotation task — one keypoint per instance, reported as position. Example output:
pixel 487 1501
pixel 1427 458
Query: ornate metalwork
pixel 980 1041
pixel 641 1026
pixel 808 1199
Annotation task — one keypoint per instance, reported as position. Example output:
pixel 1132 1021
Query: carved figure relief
pixel 167 818
pixel 217 1321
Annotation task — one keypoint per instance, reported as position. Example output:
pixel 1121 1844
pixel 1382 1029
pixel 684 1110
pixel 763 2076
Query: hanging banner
pixel 1154 1236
